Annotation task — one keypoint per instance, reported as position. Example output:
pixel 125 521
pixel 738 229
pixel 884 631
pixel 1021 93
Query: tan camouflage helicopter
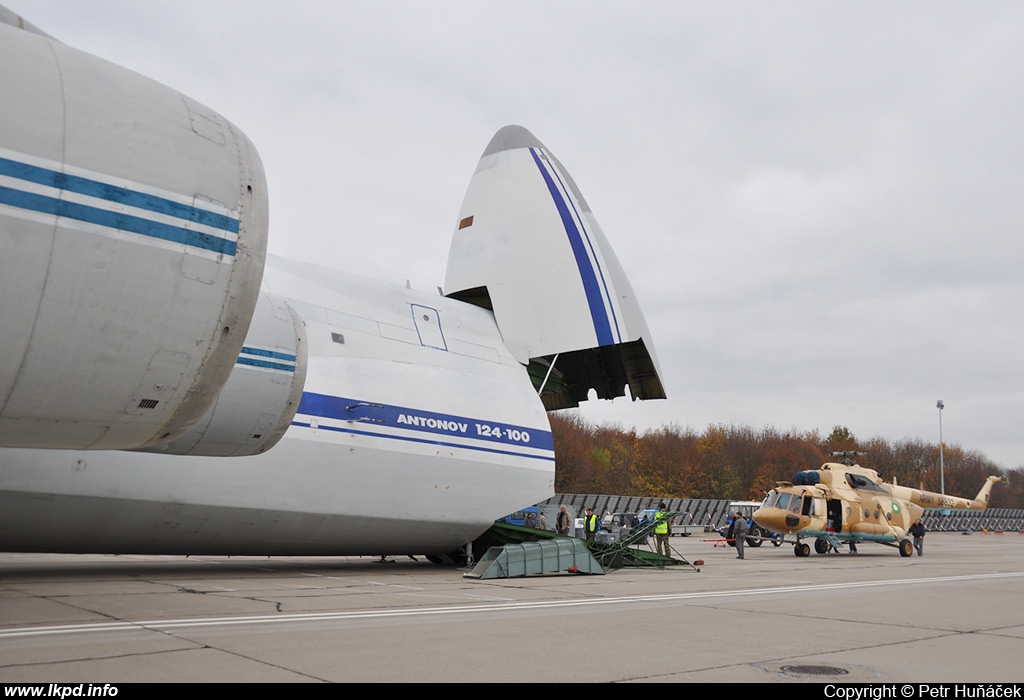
pixel 844 502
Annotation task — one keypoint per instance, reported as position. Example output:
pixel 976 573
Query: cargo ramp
pixel 514 550
pixel 557 554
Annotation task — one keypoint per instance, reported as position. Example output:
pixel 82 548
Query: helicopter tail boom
pixel 928 499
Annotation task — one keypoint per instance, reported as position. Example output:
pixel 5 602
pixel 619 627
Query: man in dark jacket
pixel 563 523
pixel 917 530
pixel 739 533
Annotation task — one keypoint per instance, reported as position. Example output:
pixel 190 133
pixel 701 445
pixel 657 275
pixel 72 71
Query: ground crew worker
pixel 563 522
pixel 739 533
pixel 662 530
pixel 591 524
pixel 917 530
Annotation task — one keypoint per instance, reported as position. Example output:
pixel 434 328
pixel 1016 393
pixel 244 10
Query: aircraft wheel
pixel 755 536
pixel 906 548
pixel 821 546
pixel 777 541
pixel 802 549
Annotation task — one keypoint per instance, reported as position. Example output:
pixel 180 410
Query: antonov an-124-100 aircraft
pixel 167 387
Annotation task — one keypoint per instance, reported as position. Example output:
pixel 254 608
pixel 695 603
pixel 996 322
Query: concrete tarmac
pixel 953 615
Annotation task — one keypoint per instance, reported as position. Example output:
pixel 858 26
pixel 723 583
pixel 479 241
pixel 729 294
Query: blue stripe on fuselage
pixel 116 220
pixel 106 192
pixel 481 432
pixel 277 355
pixel 588 276
pixel 266 359
pixel 597 262
pixel 264 364
pixel 550 457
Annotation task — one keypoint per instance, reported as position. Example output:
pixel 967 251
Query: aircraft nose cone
pixel 771 518
pixel 509 138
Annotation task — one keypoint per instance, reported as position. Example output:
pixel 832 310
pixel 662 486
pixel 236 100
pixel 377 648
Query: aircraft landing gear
pixel 802 549
pixel 456 558
pixel 821 546
pixel 906 548
pixel 756 536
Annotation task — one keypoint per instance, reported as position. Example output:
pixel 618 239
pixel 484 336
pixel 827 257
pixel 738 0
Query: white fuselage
pixel 416 430
pixel 166 387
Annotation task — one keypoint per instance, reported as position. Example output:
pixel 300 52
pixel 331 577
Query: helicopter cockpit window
pixel 770 501
pixel 794 506
pixel 783 501
pixel 863 483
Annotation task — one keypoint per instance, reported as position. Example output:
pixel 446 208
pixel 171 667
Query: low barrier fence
pixel 714 512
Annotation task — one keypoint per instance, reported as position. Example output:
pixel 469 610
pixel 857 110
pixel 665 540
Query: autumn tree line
pixel 739 463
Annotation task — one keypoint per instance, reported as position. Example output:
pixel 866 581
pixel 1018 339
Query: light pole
pixel 942 462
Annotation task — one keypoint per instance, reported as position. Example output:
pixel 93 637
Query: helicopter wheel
pixel 777 540
pixel 821 546
pixel 756 537
pixel 906 548
pixel 802 549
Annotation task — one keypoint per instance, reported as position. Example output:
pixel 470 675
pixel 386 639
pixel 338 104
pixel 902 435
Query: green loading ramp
pixel 514 550
pixel 558 554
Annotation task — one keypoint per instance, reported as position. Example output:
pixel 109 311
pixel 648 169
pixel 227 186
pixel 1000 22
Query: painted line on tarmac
pixel 164 625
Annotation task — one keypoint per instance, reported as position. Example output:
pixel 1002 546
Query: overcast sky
pixel 820 205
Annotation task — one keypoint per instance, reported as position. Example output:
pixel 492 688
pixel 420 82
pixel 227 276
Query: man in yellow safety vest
pixel 662 530
pixel 591 524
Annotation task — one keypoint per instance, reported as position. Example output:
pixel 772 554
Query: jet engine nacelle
pixel 133 228
pixel 256 406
